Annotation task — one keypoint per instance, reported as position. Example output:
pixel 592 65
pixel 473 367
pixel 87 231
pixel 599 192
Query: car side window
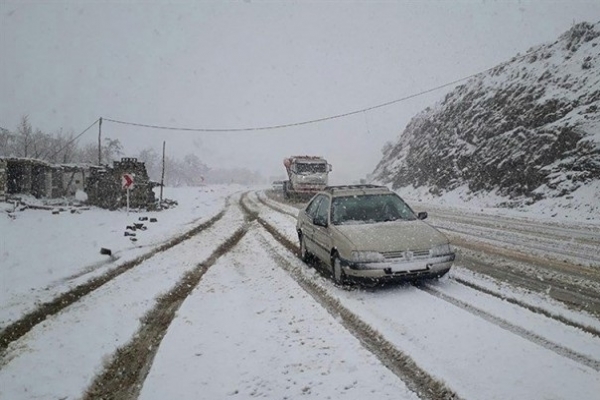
pixel 323 211
pixel 311 210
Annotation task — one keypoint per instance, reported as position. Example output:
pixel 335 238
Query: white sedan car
pixel 368 232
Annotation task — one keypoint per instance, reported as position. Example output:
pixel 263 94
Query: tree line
pixel 57 148
pixel 61 148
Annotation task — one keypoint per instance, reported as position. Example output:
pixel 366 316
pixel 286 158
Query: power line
pixel 313 121
pixel 74 139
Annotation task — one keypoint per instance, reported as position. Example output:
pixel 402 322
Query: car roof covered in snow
pixel 354 190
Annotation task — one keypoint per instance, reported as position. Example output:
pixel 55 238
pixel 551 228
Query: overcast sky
pixel 246 64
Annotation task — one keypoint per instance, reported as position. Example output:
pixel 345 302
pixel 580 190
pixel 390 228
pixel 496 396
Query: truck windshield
pixel 366 209
pixel 311 168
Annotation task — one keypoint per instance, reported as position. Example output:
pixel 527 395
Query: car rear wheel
pixel 339 276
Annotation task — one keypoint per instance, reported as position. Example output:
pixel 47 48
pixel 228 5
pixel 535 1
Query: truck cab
pixel 307 176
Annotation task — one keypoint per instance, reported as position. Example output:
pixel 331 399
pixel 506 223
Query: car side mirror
pixel 329 168
pixel 320 221
pixel 422 215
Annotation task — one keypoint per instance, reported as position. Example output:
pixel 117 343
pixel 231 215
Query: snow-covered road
pixel 258 322
pixel 482 346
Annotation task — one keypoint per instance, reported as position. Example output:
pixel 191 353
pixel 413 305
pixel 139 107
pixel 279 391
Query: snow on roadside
pixel 249 330
pixel 59 357
pixel 476 358
pixel 580 207
pixel 533 299
pixel 551 330
pixel 286 225
pixel 42 255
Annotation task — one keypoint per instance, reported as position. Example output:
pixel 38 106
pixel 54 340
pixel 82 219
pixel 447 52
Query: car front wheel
pixel 304 254
pixel 339 276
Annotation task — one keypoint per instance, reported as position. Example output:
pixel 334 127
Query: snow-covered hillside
pixel 526 130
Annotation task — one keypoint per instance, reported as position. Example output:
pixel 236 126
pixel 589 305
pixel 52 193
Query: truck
pixel 307 176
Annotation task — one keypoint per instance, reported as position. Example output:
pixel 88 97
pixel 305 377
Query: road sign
pixel 127 181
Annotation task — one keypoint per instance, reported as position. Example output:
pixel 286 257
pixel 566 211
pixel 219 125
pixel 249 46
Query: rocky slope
pixel 527 129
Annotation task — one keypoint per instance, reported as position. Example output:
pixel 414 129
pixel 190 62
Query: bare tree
pixel 153 163
pixel 6 142
pixel 87 154
pixel 111 150
pixel 68 148
pixel 40 145
pixel 24 138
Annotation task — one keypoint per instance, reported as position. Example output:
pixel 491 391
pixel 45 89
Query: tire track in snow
pixel 576 294
pixel 23 325
pixel 589 235
pixel 520 331
pixel 517 330
pixel 417 379
pixel 582 259
pixel 538 310
pixel 276 208
pixel 124 376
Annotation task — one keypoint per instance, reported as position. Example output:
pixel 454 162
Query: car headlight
pixel 440 250
pixel 367 256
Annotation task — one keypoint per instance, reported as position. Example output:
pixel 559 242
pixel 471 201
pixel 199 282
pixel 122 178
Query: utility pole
pixel 100 141
pixel 162 178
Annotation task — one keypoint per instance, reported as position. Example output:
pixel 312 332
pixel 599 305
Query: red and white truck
pixel 307 176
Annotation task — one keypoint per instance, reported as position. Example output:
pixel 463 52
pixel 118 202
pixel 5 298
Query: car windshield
pixel 365 209
pixel 311 168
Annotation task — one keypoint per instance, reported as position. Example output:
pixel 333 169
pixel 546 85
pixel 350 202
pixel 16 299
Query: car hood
pixel 392 236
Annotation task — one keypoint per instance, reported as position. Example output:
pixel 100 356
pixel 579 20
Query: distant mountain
pixel 528 129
